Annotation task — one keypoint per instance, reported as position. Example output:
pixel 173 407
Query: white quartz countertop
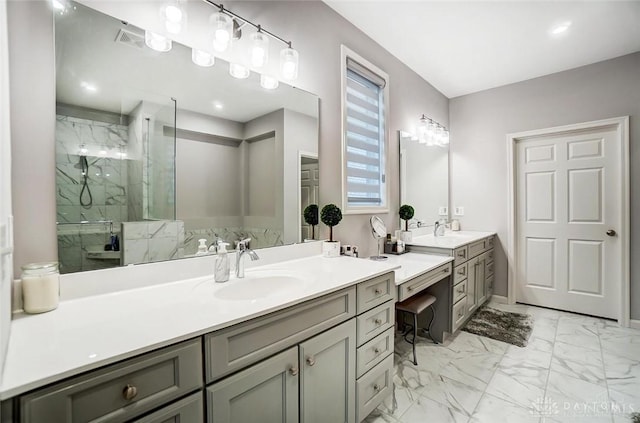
pixel 451 239
pixel 415 264
pixel 87 333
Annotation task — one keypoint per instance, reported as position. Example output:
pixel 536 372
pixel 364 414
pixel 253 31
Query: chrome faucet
pixel 438 228
pixel 242 249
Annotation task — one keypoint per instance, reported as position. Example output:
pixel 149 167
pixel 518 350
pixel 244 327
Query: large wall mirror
pixel 154 152
pixel 424 178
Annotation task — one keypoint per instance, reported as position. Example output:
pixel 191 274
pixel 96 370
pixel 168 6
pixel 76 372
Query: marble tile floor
pixel 574 369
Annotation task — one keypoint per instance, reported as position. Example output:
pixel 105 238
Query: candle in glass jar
pixel 40 287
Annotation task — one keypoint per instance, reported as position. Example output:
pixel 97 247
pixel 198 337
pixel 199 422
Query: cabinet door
pixel 481 292
pixel 266 392
pixel 472 298
pixel 328 376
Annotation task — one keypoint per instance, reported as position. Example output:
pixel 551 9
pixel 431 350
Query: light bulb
pixel 259 50
pixel 202 58
pixel 157 42
pixel 445 138
pixel 289 63
pixel 432 127
pixel 268 82
pixel 83 149
pixel 422 130
pixel 238 71
pixel 174 17
pixel 58 5
pixel 222 27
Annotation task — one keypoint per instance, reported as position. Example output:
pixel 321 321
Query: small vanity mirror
pixel 424 179
pixel 154 151
pixel 379 232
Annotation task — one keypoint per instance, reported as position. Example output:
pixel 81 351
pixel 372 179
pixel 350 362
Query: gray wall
pixel 480 122
pixel 33 109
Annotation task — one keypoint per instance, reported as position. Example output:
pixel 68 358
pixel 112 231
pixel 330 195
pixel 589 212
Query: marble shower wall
pixel 145 242
pixel 106 182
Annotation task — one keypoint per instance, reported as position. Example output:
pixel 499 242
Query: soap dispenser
pixel 221 271
pixel 202 247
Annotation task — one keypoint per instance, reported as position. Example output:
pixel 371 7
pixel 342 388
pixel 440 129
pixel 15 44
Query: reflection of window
pixel 365 95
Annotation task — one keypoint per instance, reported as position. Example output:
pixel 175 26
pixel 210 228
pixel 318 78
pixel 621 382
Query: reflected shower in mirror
pixel 154 152
pixel 424 179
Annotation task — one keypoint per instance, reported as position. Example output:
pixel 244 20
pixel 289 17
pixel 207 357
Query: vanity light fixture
pixel 174 16
pixel 431 133
pixel 238 71
pixel 202 58
pixel 226 25
pixel 268 82
pixel 83 149
pixel 157 42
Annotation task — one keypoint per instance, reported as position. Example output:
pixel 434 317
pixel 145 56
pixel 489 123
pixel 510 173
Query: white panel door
pixel 569 197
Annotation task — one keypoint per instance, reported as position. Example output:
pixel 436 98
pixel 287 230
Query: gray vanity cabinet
pixel 265 392
pixel 321 370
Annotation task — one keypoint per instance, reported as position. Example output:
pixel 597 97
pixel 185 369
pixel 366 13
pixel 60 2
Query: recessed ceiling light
pixel 560 28
pixel 218 105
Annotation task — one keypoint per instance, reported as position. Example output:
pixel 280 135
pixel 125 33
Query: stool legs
pixel 415 333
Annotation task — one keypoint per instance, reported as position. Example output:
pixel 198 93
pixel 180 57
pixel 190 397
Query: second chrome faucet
pixel 241 250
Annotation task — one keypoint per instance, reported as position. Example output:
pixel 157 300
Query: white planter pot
pixel 331 248
pixel 406 236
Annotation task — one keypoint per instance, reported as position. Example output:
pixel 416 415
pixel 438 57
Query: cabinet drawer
pixel 189 409
pixel 490 254
pixel 374 351
pixel 491 241
pixel 231 349
pixel 119 392
pixel 374 387
pixel 489 267
pixel 375 292
pixel 477 247
pixel 460 273
pixel 374 322
pixel 461 255
pixel 459 291
pixel 416 285
pixel 458 313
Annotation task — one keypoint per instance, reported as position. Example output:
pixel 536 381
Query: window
pixel 364 145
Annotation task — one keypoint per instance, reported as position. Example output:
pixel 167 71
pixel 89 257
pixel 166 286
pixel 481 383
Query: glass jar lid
pixel 40 268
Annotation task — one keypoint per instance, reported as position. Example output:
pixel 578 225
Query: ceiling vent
pixel 130 38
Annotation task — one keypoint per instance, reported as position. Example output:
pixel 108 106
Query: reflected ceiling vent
pixel 130 38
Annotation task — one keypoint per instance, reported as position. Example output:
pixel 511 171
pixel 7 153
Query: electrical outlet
pixel 443 211
pixel 459 211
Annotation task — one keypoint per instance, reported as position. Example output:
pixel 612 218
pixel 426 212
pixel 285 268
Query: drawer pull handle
pixel 293 371
pixel 311 360
pixel 461 254
pixel 378 322
pixel 376 351
pixel 129 392
pixel 445 270
pixel 377 291
pixel 461 271
pixel 376 388
pixel 460 291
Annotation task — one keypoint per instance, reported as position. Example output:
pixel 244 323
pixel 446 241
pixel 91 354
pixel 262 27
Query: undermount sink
pixel 259 284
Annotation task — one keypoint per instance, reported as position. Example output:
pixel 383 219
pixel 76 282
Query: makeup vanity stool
pixel 416 305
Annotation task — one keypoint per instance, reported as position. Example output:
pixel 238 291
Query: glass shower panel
pixel 159 180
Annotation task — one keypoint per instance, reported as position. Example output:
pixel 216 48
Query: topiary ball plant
pixel 331 216
pixel 406 214
pixel 311 218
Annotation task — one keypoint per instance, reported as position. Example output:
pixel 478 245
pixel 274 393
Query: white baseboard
pixel 635 324
pixel 499 299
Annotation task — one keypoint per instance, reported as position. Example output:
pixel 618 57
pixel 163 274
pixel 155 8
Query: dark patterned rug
pixel 505 326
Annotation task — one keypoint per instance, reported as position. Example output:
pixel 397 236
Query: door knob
pixel 611 232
